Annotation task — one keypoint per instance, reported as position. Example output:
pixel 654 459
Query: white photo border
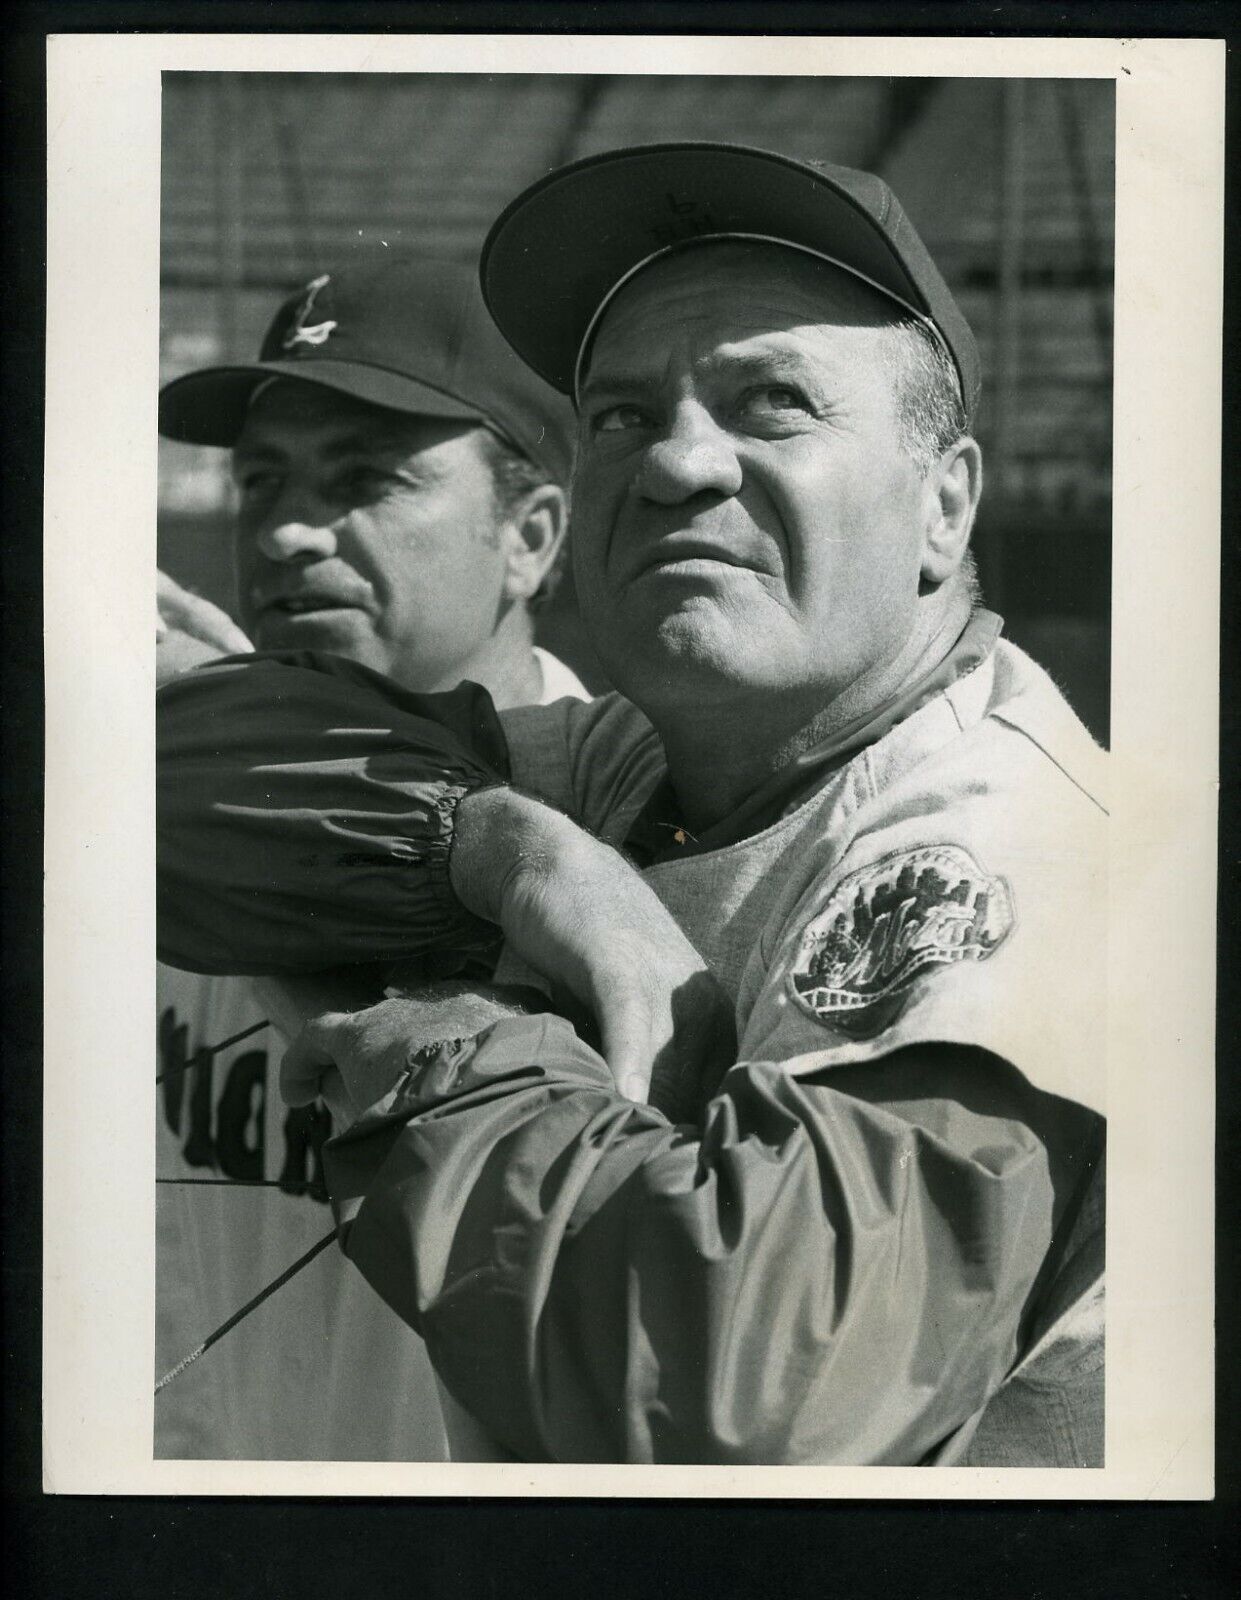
pixel 103 110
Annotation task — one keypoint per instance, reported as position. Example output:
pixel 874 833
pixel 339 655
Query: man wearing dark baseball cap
pixel 399 478
pixel 826 873
pixel 400 502
pixel 590 227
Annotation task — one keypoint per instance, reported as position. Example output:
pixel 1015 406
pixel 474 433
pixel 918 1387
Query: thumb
pixel 626 1028
pixel 310 1055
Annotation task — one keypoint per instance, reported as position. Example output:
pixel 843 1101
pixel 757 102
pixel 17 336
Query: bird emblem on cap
pixel 298 332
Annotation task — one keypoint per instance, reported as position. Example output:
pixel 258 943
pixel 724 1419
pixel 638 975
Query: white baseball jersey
pixel 946 886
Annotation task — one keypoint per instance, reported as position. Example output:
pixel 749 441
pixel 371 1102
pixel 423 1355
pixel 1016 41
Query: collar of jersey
pixel 658 834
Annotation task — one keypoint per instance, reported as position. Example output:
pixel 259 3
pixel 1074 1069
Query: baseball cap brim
pixel 209 407
pixel 555 253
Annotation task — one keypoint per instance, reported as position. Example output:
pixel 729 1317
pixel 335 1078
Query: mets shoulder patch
pixel 886 923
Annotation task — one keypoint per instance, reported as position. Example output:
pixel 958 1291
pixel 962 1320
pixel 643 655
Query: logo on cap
pixel 685 219
pixel 298 332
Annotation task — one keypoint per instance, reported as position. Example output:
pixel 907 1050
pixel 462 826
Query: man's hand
pixel 575 911
pixel 350 1059
pixel 179 611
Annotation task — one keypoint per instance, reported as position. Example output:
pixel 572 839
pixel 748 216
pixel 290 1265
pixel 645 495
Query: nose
pixel 694 456
pixel 293 530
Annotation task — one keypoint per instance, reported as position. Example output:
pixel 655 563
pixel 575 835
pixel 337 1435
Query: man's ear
pixel 952 490
pixel 533 533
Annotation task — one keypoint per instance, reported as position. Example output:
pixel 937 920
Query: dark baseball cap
pixel 408 333
pixel 556 255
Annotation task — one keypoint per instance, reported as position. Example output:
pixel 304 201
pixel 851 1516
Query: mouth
pixel 302 611
pixel 688 555
pixel 301 605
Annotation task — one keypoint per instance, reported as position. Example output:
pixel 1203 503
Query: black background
pixel 179 1548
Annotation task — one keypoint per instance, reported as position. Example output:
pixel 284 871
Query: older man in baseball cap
pixel 824 1184
pixel 400 502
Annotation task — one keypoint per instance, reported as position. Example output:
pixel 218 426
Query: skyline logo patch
pixel 890 921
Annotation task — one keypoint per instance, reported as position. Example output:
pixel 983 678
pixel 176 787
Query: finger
pixel 209 626
pixel 630 1042
pixel 172 602
pixel 216 627
pixel 307 1059
pixel 336 1098
pixel 167 589
pixel 198 617
pixel 667 1049
pixel 177 652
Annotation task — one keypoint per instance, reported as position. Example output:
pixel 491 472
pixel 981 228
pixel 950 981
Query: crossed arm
pixel 654 1251
pixel 759 1265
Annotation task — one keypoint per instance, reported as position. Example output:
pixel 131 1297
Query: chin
pixel 340 632
pixel 695 648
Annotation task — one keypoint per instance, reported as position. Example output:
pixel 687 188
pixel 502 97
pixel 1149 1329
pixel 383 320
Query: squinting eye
pixel 251 484
pixel 616 419
pixel 773 397
pixel 361 482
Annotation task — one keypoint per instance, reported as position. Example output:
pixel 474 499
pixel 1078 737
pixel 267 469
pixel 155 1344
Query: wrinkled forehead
pixel 731 292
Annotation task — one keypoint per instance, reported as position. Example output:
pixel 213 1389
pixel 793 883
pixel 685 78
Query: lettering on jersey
pixel 886 923
pixel 173 1039
pixel 187 1090
pixel 306 1130
pixel 241 1116
pixel 218 1112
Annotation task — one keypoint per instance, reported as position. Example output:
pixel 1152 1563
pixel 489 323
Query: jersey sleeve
pixel 596 761
pixel 305 806
pixel 822 1268
pixel 970 913
pixel 305 809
